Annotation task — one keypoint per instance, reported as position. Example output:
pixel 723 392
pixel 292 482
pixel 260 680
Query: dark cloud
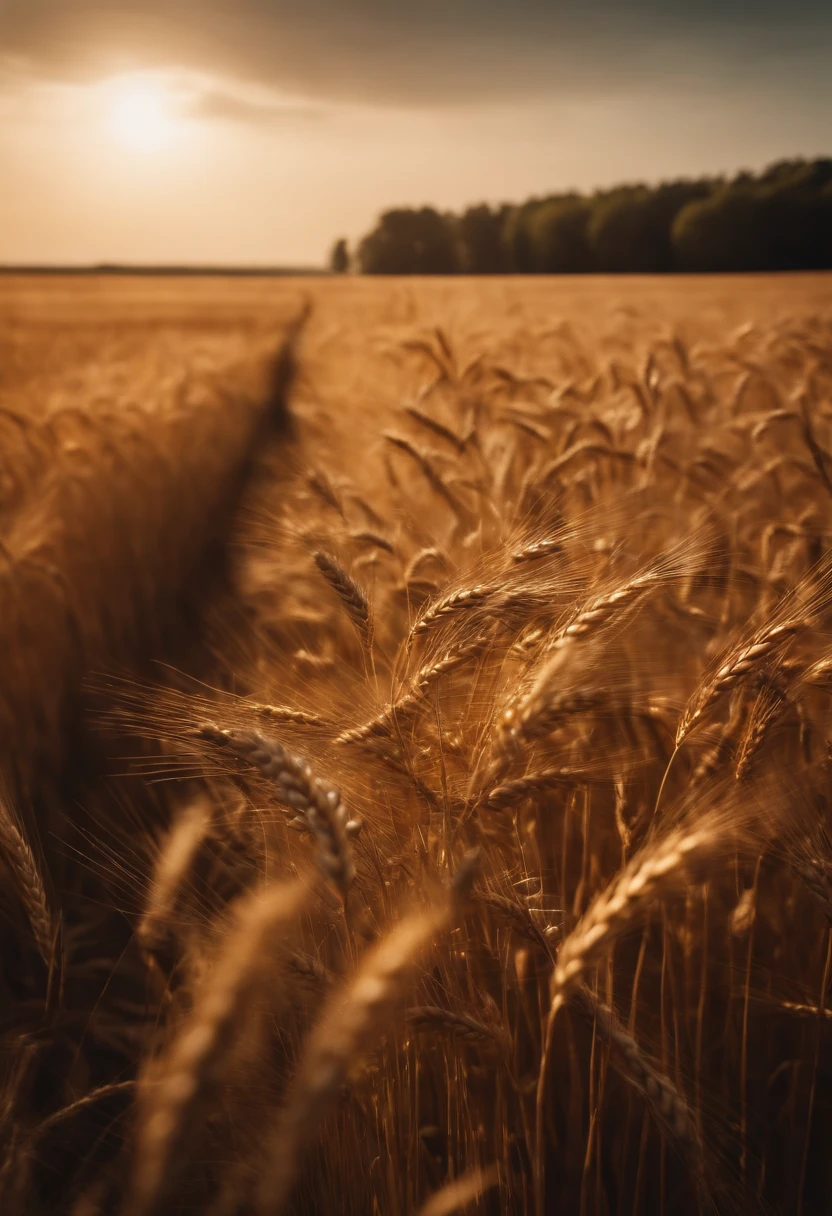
pixel 432 50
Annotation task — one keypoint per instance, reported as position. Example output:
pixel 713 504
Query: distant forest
pixel 780 219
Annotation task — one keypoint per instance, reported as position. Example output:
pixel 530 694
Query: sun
pixel 140 113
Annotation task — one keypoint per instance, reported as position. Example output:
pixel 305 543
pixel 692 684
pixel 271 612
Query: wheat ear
pixel 383 725
pixel 316 804
pixel 739 663
pixel 28 883
pixel 448 606
pixel 287 714
pixel 536 783
pixel 351 595
pixel 456 1195
pixel 172 866
pixel 431 1018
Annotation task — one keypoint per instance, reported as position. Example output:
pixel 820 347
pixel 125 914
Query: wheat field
pixel 415 747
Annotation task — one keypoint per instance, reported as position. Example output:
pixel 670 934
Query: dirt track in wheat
pixel 415 746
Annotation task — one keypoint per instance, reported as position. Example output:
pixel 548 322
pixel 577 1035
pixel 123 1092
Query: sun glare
pixel 140 115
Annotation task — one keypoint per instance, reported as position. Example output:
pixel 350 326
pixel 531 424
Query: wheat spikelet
pixel 518 917
pixel 449 605
pixel 323 487
pixel 548 547
pixel 810 857
pixel 532 711
pixel 660 866
pixel 425 557
pixel 430 1018
pixel 663 864
pixel 285 713
pixel 544 707
pixel 82 1104
pixel 770 703
pixel 436 427
pixel 436 482
pixel 374 539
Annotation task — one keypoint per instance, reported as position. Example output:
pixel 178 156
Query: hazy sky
pixel 251 131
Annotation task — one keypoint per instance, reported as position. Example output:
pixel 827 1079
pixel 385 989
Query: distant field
pixel 415 745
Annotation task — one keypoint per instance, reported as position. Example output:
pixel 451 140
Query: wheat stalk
pixel 351 1021
pixel 172 1093
pixel 662 865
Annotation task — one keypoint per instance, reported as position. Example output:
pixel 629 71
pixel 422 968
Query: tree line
pixel 780 219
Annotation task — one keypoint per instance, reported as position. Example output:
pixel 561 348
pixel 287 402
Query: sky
pixel 251 132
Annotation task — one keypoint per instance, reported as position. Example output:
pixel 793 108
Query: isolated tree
pixel 339 259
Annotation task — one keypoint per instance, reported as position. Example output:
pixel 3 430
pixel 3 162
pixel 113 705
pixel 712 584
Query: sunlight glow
pixel 140 113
